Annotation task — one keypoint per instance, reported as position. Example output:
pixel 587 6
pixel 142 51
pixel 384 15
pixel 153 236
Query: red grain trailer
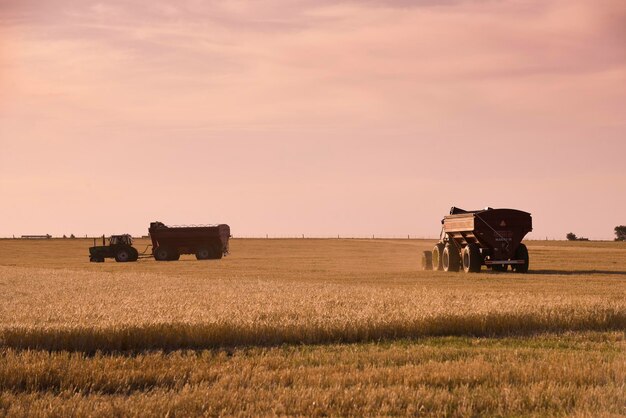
pixel 491 237
pixel 205 241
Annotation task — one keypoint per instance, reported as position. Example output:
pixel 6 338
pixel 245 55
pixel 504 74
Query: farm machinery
pixel 206 242
pixel 120 247
pixel 490 237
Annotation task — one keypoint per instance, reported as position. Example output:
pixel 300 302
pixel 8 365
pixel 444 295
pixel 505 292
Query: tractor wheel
pixel 202 253
pixel 438 257
pixel 427 260
pixel 521 254
pixel 123 255
pixel 161 254
pixel 471 258
pixel 451 258
pixel 134 254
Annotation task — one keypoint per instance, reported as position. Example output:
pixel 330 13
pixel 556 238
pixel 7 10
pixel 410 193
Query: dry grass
pixel 69 310
pixel 582 374
pixel 123 321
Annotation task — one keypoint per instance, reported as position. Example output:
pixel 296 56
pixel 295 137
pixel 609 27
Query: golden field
pixel 311 327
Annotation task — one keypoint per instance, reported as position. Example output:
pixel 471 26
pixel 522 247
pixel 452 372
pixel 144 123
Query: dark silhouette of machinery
pixel 471 239
pixel 206 242
pixel 120 247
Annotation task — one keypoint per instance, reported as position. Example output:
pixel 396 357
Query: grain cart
pixel 491 237
pixel 206 241
pixel 120 247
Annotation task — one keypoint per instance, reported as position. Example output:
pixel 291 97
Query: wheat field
pixel 311 327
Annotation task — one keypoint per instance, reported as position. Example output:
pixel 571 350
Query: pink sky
pixel 311 117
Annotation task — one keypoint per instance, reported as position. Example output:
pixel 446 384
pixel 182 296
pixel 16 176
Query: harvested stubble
pixel 568 374
pixel 560 345
pixel 86 311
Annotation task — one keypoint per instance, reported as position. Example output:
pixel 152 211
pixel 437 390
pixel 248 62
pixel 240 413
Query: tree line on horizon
pixel 620 235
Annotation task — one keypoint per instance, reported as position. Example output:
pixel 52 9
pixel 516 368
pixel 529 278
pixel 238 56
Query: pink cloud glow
pixel 316 117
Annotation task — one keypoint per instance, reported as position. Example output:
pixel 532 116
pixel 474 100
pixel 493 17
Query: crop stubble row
pixel 559 349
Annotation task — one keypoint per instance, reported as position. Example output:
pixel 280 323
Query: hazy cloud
pixel 321 95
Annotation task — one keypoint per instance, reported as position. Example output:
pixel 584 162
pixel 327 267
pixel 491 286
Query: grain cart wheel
pixel 438 257
pixel 161 254
pixel 202 253
pixel 94 259
pixel 123 255
pixel 174 255
pixel 217 252
pixel 521 254
pixel 471 258
pixel 427 260
pixel 451 259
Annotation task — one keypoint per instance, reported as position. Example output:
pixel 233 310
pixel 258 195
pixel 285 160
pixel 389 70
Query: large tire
pixel 451 259
pixel 427 260
pixel 203 253
pixel 472 260
pixel 161 254
pixel 522 254
pixel 123 255
pixel 438 257
pixel 134 254
pixel 218 253
pixel 174 255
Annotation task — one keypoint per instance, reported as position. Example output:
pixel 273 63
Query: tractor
pixel 120 247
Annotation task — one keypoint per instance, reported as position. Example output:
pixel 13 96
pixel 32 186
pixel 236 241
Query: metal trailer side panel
pixel 187 240
pixel 224 233
pixel 459 223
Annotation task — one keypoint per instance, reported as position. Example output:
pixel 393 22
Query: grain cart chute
pixel 205 241
pixel 491 237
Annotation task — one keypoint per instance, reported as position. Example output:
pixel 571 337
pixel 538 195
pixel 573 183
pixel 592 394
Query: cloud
pixel 311 64
pixel 324 93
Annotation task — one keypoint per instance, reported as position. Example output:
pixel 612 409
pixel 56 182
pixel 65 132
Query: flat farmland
pixel 311 327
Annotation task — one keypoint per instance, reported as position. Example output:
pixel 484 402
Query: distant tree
pixel 620 233
pixel 72 236
pixel 571 236
pixel 64 236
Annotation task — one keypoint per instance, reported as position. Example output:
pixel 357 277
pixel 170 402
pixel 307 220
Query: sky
pixel 315 117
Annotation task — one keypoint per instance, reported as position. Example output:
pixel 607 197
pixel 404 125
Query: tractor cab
pixel 125 239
